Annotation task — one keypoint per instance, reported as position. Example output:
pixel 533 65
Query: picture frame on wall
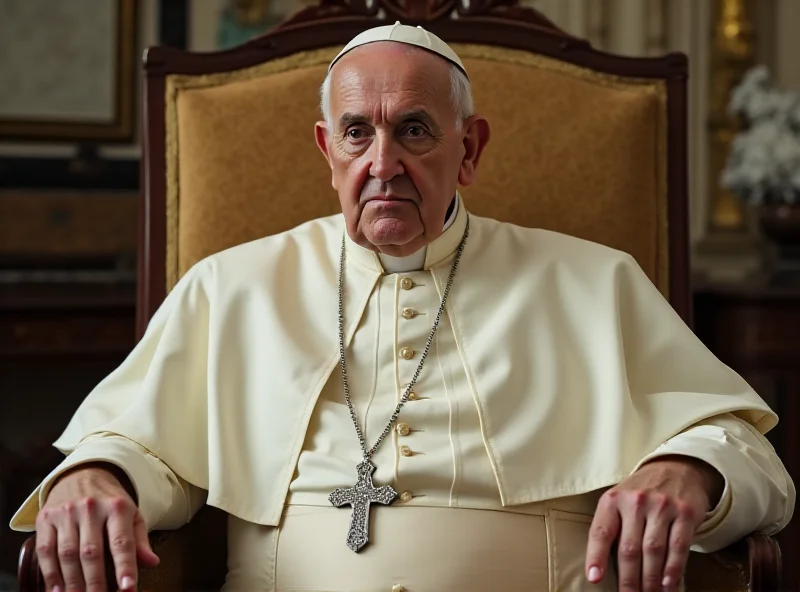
pixel 68 70
pixel 216 25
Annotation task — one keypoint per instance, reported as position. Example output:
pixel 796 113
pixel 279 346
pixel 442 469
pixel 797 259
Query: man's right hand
pixel 84 506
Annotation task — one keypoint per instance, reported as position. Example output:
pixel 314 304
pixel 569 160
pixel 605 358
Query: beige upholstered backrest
pixel 572 150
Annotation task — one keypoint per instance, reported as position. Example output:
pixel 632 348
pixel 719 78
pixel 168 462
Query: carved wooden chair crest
pixel 583 142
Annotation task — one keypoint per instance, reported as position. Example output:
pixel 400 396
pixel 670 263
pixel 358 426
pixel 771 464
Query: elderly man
pixel 520 400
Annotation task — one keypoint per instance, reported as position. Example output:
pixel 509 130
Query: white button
pixel 406 283
pixel 403 429
pixel 405 451
pixel 399 588
pixel 406 353
pixel 409 313
pixel 406 496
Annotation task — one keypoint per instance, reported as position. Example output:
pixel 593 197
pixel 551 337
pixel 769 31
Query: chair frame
pixel 492 22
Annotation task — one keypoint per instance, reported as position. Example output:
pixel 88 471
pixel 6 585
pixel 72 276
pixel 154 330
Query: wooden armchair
pixel 584 142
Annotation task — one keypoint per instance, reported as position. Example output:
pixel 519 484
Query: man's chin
pixel 396 245
pixel 391 235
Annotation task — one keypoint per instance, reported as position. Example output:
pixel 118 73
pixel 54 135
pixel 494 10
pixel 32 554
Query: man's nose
pixel 386 162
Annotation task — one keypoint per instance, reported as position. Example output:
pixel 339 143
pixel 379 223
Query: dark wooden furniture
pixel 57 340
pixel 754 327
pixel 67 311
pixel 194 555
pixel 66 319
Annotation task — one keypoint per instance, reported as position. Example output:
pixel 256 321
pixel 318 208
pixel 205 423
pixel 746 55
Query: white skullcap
pixel 403 34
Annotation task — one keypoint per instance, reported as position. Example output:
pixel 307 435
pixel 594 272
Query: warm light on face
pixel 396 145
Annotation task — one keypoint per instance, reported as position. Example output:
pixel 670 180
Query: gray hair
pixel 460 95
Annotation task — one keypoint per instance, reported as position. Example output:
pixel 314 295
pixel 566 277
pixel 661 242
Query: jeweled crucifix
pixel 360 497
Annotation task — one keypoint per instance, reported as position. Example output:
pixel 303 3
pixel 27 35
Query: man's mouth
pixel 387 198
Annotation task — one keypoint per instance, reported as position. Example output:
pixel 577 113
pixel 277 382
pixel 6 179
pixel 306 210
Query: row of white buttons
pixel 407 283
pixel 403 429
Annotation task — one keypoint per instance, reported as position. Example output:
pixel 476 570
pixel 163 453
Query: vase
pixel 780 224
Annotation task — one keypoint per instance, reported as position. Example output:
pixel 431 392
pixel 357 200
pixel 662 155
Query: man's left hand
pixel 654 513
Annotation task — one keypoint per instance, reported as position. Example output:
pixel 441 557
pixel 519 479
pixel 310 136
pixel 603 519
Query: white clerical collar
pixel 432 254
pixel 413 262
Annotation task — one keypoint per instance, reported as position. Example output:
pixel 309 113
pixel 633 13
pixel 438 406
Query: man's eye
pixel 355 133
pixel 415 131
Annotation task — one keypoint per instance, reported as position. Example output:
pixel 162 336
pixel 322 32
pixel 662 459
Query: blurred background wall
pixel 69 181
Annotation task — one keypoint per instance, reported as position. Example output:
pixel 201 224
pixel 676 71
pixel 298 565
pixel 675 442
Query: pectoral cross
pixel 360 497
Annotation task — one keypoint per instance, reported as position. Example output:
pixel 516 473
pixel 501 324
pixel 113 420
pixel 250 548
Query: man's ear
pixel 323 139
pixel 476 137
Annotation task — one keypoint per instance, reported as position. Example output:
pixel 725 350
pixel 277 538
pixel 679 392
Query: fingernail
pixel 56 588
pixel 666 582
pixel 127 583
pixel 594 573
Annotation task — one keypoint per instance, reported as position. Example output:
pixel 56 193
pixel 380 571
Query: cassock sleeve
pixel 165 500
pixel 759 495
pixel 149 416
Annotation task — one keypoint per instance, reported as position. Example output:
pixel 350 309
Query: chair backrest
pixel 583 142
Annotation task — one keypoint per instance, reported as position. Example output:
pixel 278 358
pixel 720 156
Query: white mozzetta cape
pixel 578 367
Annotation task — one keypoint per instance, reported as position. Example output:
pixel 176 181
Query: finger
pixel 68 542
pixel 91 530
pixel 144 552
pixel 629 551
pixel 680 540
pixel 122 542
pixel 46 546
pixel 654 544
pixel 602 534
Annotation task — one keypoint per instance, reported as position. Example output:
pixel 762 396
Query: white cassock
pixel 556 371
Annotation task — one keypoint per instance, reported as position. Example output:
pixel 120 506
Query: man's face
pixel 393 145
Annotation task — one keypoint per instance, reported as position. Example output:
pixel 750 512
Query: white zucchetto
pixel 403 34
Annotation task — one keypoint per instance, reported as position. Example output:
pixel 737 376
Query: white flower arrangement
pixel 764 163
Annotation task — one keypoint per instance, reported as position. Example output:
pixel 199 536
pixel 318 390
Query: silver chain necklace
pixel 364 493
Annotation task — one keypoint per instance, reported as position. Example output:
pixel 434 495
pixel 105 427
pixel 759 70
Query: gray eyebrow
pixel 419 115
pixel 349 118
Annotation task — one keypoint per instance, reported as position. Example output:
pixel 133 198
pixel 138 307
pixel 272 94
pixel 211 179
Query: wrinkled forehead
pixel 396 75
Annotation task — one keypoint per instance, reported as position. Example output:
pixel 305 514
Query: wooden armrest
pixel 751 565
pixel 766 568
pixel 28 574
